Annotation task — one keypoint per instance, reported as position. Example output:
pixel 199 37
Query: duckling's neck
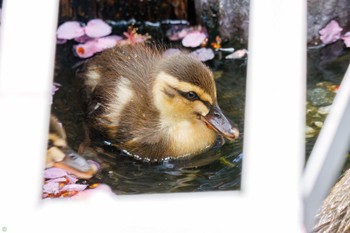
pixel 187 137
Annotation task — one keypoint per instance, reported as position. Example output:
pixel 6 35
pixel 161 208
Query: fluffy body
pixel 137 100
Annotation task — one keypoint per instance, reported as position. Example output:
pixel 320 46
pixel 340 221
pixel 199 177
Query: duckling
pixel 60 155
pixel 151 106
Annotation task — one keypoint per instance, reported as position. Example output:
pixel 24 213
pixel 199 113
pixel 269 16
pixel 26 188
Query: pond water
pixel 217 169
pixel 326 67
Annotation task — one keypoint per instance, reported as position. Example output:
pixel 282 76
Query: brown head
pixel 185 89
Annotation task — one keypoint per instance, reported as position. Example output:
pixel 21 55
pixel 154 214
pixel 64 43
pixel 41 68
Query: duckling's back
pixel 119 105
pixel 135 63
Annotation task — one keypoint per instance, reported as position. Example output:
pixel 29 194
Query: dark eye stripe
pixel 182 93
pixel 206 103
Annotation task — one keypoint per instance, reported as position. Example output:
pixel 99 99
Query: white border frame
pixel 269 200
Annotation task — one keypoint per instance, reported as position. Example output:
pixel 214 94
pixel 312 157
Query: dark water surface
pixel 326 67
pixel 217 169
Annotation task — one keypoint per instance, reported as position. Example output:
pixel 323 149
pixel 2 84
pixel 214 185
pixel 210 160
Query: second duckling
pixel 60 155
pixel 152 106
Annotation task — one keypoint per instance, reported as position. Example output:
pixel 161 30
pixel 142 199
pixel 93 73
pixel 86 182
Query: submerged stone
pixel 319 124
pixel 324 110
pixel 309 132
pixel 320 97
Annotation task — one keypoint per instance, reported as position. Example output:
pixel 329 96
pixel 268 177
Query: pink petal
pixel 97 28
pixel 331 32
pixel 203 54
pixel 178 32
pixel 138 38
pixel 51 188
pixel 346 39
pixel 82 39
pixel 86 50
pixel 57 180
pixel 52 173
pixel 107 42
pixel 55 87
pixel 70 30
pixel 193 39
pixel 71 178
pixel 171 52
pixel 74 187
pixel 238 54
pixel 61 41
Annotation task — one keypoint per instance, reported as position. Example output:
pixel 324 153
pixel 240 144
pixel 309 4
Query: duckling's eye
pixel 191 95
pixel 49 144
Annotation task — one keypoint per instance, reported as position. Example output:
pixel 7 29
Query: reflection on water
pixel 217 169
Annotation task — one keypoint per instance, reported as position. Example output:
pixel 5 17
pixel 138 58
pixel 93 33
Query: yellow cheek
pixel 180 107
pixel 57 141
pixel 200 108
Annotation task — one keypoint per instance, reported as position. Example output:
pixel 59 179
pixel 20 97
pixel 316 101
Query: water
pixel 326 66
pixel 217 169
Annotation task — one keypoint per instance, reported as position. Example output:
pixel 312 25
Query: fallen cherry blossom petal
pixel 74 187
pixel 203 54
pixel 71 178
pixel 97 28
pixel 52 173
pixel 56 180
pixel 82 39
pixel 51 188
pixel 61 41
pixel 96 45
pixel 178 32
pixel 55 88
pixel 70 30
pixel 106 42
pixel 331 32
pixel 193 39
pixel 346 39
pixel 171 52
pixel 85 50
pixel 238 54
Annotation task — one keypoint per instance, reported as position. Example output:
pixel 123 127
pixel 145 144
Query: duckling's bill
pixel 217 121
pixel 76 164
pixel 60 155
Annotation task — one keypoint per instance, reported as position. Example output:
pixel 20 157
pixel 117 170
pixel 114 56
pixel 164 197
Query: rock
pixel 321 12
pixel 319 124
pixel 320 97
pixel 309 132
pixel 230 18
pixel 324 110
pixel 227 18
